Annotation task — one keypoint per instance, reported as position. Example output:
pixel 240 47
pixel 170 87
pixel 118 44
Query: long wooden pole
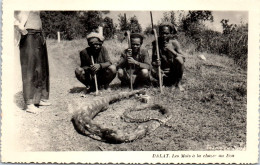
pixel 95 76
pixel 151 14
pixel 131 71
pixel 157 52
pixel 129 47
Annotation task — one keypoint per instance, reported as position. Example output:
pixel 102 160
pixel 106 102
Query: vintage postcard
pixel 113 81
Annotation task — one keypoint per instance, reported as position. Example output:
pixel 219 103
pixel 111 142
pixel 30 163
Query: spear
pixel 129 47
pixel 95 76
pixel 157 52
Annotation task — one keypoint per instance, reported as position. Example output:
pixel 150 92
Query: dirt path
pixel 51 128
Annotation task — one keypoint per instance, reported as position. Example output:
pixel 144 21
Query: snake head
pixel 111 136
pixel 107 131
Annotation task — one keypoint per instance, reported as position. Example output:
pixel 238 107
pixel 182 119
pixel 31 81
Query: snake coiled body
pixel 83 121
pixel 162 119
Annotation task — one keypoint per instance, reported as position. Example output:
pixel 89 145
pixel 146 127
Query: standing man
pixel 102 66
pixel 138 59
pixel 171 57
pixel 33 58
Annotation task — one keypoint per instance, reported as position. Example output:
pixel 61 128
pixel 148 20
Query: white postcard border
pixel 8 150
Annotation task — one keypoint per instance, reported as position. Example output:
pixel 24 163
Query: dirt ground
pixel 199 122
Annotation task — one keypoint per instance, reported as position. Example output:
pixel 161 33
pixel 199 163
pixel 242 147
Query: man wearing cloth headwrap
pixel 138 59
pixel 102 66
pixel 171 57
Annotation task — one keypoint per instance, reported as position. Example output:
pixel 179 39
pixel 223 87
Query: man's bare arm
pixel 174 47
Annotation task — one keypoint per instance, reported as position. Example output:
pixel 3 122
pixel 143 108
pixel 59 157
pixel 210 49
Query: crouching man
pixel 137 60
pixel 171 57
pixel 102 66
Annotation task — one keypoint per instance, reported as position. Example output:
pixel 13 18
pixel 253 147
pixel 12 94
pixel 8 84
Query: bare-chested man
pixel 171 57
pixel 138 59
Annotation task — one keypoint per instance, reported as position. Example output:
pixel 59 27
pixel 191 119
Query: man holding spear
pixel 171 57
pixel 137 59
pixel 96 70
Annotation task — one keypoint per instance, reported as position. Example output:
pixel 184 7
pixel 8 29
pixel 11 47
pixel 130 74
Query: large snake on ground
pixel 83 120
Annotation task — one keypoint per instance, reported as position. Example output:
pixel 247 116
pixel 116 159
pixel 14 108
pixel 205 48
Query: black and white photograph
pixel 96 81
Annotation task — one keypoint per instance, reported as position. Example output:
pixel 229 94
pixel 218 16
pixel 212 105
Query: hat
pixel 95 35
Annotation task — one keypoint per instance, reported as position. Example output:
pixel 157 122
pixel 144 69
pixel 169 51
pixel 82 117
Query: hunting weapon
pixel 95 76
pixel 157 52
pixel 129 47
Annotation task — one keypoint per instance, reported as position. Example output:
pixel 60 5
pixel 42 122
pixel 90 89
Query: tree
pixel 123 23
pixel 109 29
pixel 134 25
pixel 169 17
pixel 74 24
pixel 196 18
pixel 227 28
pixel 193 26
pixel 149 31
pixel 66 22
pixel 73 29
pixel 91 20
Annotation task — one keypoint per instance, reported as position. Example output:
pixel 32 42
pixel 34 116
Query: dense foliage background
pixel 194 35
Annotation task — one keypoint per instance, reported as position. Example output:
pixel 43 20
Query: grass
pixel 209 115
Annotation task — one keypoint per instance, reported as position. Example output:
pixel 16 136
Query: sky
pixel 144 19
